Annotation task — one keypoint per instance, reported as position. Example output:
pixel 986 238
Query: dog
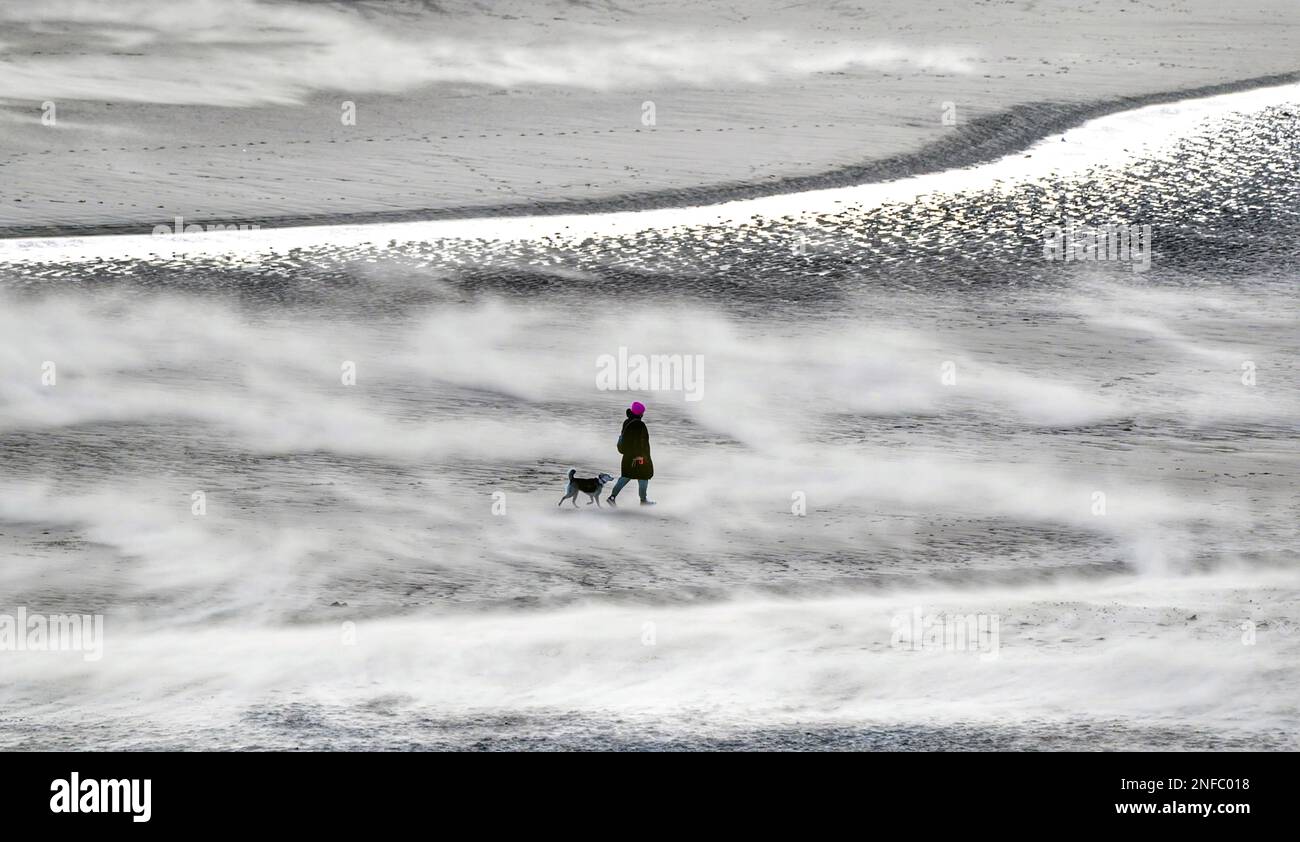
pixel 590 486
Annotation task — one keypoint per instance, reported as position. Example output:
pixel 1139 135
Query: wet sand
pixel 1100 475
pixel 456 148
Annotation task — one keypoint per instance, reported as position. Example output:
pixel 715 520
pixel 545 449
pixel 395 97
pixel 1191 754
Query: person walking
pixel 634 444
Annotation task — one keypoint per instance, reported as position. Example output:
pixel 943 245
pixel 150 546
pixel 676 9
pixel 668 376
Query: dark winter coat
pixel 634 442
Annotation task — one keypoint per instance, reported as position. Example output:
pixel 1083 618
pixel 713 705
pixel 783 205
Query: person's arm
pixel 642 448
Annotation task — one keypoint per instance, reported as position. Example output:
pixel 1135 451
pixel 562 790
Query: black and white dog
pixel 590 486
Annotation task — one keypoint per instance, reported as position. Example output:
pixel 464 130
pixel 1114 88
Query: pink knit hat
pixel 637 408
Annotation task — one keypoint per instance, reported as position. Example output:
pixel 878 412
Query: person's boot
pixel 611 501
pixel 645 502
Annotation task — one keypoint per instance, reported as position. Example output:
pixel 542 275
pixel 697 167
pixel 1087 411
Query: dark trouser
pixel 641 485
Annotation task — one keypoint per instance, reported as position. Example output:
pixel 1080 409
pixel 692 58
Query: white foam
pixel 1113 140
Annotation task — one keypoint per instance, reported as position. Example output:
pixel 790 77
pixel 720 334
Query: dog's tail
pixel 572 471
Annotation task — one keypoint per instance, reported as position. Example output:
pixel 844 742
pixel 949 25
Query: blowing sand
pixel 549 112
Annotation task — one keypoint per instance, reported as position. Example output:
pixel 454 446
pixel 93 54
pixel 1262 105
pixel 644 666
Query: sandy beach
pixel 973 416
pixel 532 107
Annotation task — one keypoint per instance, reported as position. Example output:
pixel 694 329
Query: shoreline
pixel 981 140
